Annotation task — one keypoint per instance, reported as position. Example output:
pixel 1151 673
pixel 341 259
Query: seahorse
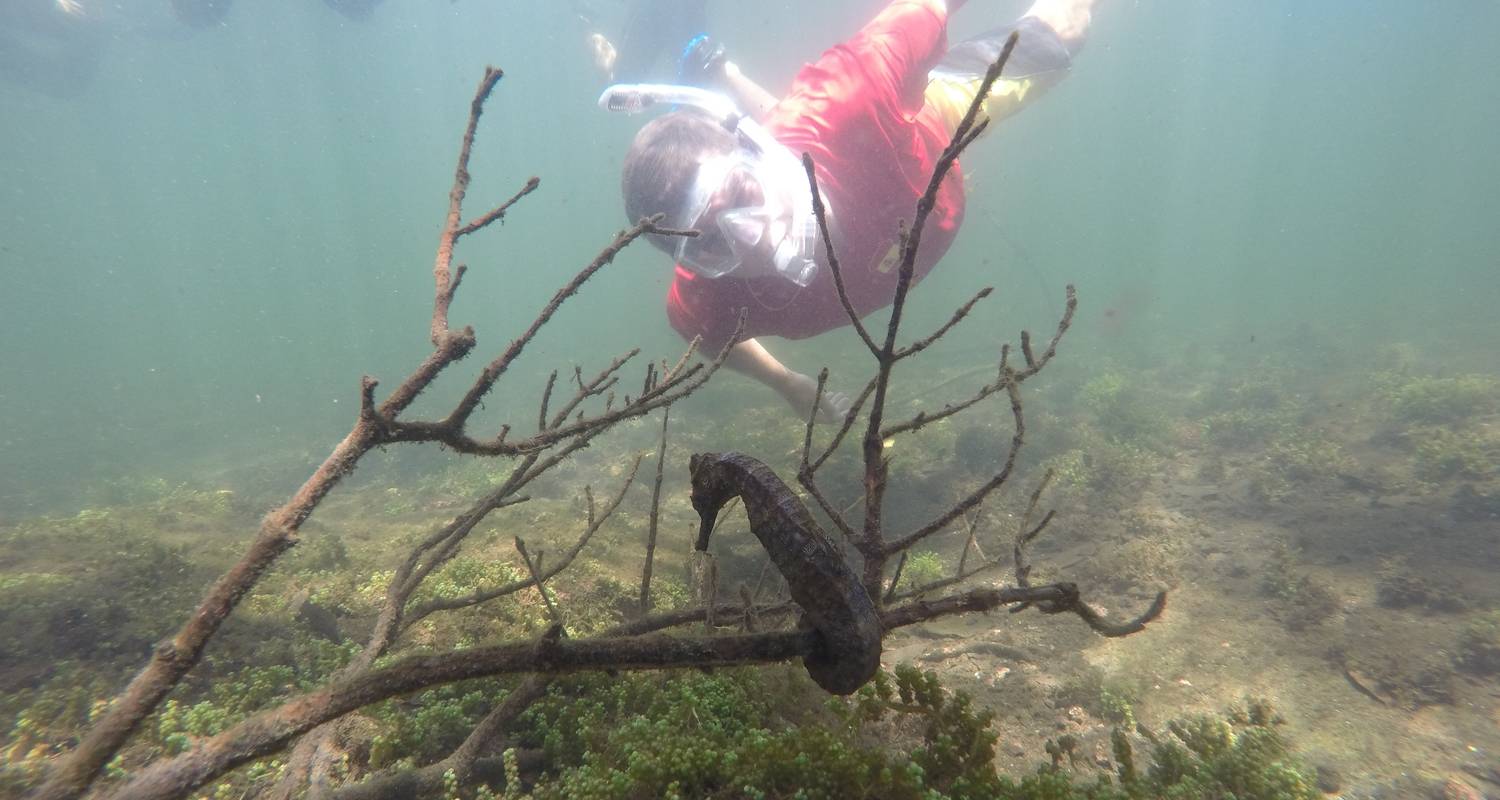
pixel 833 601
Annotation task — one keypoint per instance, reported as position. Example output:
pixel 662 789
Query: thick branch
pixel 75 771
pixel 269 730
pixel 172 658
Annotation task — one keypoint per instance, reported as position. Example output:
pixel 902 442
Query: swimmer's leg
pixel 1041 58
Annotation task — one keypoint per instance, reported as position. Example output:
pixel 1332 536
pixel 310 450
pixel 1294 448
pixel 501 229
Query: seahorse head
pixel 712 488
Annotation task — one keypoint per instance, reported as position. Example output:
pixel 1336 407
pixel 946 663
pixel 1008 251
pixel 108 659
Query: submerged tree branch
pixel 268 731
pixel 74 772
pixel 841 620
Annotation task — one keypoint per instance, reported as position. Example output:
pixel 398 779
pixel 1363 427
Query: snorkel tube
pixel 633 98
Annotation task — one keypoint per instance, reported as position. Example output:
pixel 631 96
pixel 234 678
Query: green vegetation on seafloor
pixel 1110 698
pixel 751 734
pixel 1443 453
pixel 100 586
pixel 1103 465
pixel 1440 420
pixel 730 733
pixel 922 568
pixel 1120 432
pixel 1479 644
pixel 1124 410
pixel 1420 399
pixel 1298 600
pixel 1251 408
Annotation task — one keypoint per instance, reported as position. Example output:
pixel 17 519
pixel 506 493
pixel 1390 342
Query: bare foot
pixel 604 55
pixel 1070 18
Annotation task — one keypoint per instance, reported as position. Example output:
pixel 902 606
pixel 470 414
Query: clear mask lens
pixel 727 208
pixel 708 254
pixel 744 227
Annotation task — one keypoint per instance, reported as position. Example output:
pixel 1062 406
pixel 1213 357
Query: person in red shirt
pixel 875 113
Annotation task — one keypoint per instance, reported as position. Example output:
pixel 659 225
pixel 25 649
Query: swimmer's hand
pixel 800 390
pixel 702 62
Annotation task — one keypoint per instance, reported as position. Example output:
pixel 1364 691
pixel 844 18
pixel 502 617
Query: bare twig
pixel 845 427
pixel 812 415
pixel 974 498
pixel 1025 533
pixel 498 212
pixel 536 578
pixel 896 577
pixel 541 417
pixel 999 384
pixel 957 317
pixel 971 542
pixel 821 215
pixel 443 293
pixel 485 595
pixel 661 459
pixel 872 544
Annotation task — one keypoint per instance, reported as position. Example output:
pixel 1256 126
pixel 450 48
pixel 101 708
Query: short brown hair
pixel 663 162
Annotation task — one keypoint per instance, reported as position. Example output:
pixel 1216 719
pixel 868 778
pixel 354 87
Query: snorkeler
pixel 875 113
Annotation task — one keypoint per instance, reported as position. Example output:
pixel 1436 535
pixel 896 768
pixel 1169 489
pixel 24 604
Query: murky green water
pixel 208 236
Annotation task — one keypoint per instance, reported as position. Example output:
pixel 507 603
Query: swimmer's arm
pixel 747 94
pixel 752 359
pixel 754 99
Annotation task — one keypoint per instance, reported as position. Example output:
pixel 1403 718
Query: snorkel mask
pixel 763 202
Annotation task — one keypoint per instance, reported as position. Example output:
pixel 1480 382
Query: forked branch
pixel 374 426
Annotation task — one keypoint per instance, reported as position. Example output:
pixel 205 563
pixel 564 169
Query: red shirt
pixel 859 112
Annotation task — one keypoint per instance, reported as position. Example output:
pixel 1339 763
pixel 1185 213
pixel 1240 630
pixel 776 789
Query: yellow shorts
pixel 952 95
pixel 1039 60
